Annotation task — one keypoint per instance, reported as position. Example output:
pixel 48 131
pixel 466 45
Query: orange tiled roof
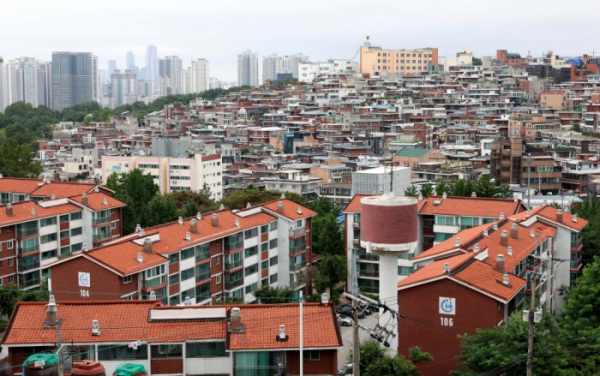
pixel 63 189
pixel 96 201
pixel 434 270
pixel 549 213
pixel 19 185
pixel 262 327
pixel 354 205
pixel 465 236
pixel 125 260
pixel 290 209
pixel 22 212
pixel 472 206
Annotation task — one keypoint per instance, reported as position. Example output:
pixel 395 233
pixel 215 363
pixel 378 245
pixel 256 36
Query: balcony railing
pixel 368 257
pixel 202 256
pixel 150 283
pixel 296 267
pixel 233 246
pixel 101 236
pixel 576 243
pixel 297 248
pixel 32 248
pixel 355 241
pixel 29 282
pixel 203 276
pixel 575 264
pixel 298 231
pixel 99 221
pixel 233 265
pixel 26 266
pixel 369 273
pixel 28 232
pixel 230 285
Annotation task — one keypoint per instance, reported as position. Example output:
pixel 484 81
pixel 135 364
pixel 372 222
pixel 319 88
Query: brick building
pixel 225 254
pixel 189 340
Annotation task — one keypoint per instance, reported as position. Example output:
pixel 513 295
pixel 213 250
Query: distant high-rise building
pixel 74 78
pixel 112 65
pixel 145 88
pixel 152 64
pixel 25 80
pixel 169 70
pixel 273 65
pixel 124 84
pixel 130 58
pixel 200 73
pixel 214 83
pixel 103 73
pixel 185 79
pixel 247 68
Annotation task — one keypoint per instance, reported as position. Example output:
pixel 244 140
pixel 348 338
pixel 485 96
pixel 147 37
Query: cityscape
pixel 294 195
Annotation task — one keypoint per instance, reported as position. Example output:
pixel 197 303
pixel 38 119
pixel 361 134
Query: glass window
pixel 205 349
pixel 173 279
pixel 264 247
pixel 64 234
pixel 47 221
pixel 174 300
pixel 251 233
pixel 273 261
pixel 174 258
pixel 273 278
pixel 251 269
pixel 273 226
pixel 250 251
pixel 187 274
pixel 76 231
pixel 166 351
pixel 112 352
pixel 187 253
pixel 272 243
pixel 75 216
pixel 264 265
pixel 264 229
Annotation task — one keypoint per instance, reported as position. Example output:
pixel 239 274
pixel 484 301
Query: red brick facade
pixel 166 366
pixel 380 224
pixel 326 365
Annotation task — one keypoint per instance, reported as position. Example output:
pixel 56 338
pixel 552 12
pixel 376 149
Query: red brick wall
pixel 422 326
pixel 165 366
pixel 105 285
pixel 326 365
pixel 118 231
pixel 380 224
pixel 216 250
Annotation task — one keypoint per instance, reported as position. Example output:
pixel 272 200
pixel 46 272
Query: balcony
pixel 151 283
pixel 368 257
pixel 23 233
pixel 29 282
pixel 32 248
pixel 356 224
pixel 297 248
pixel 230 285
pixel 99 221
pixel 203 276
pixel 576 263
pixel 356 241
pixel 202 256
pixel 369 273
pixel 575 244
pixel 27 266
pixel 234 265
pixel 233 246
pixel 98 237
pixel 298 231
pixel 296 267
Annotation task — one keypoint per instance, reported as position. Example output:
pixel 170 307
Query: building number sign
pixel 447 306
pixel 84 281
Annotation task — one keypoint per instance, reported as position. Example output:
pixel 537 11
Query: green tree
pixel 576 127
pixel 324 206
pixel 477 61
pixel 377 361
pixel 332 270
pixel 87 120
pixel 485 188
pixel 17 160
pixel 443 187
pixel 506 345
pixel 267 294
pixel 411 191
pixel 463 187
pixel 427 190
pixel 190 209
pixel 327 236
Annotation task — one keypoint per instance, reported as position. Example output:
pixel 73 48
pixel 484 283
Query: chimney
pixel 9 209
pixel 501 215
pixel 194 226
pixel 105 201
pixel 476 248
pixel 51 312
pixel 446 268
pixel 575 218
pixel 180 221
pixel 505 279
pixel 237 222
pixel 445 195
pixel 473 194
pixel 282 337
pixel 53 197
pixel 214 220
pixel 420 196
pixel 147 246
pixel 84 200
pixel 457 242
pixel 188 236
pixel 198 216
pixel 95 328
pixel 504 238
pixel 514 231
pixel 500 263
pixel 280 207
pixel 495 226
pixel 509 251
pixel 140 258
pixel 236 320
pixel 97 189
pixel 532 233
pixel 187 301
pixel 485 232
pixel 324 299
pixel 559 216
pixel 138 227
pixel 283 196
pixel 299 211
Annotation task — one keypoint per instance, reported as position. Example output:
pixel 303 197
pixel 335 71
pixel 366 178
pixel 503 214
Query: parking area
pixel 346 331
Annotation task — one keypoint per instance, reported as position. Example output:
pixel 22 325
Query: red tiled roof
pixel 434 270
pixel 472 206
pixel 125 260
pixel 262 327
pixel 22 212
pixel 290 209
pixel 354 205
pixel 63 189
pixel 19 185
pixel 96 201
pixel 465 236
pixel 549 213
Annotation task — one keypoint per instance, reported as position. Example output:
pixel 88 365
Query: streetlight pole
pixel 529 160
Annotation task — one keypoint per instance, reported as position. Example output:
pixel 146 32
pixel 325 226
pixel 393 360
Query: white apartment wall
pixel 562 269
pixel 283 254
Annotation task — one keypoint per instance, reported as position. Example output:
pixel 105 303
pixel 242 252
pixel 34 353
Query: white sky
pixel 220 29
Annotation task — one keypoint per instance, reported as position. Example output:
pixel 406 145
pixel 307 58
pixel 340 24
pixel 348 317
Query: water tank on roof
pixel 44 364
pixel 130 369
pixel 88 368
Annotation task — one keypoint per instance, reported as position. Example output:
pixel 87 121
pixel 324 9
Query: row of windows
pixel 402 55
pixel 193 350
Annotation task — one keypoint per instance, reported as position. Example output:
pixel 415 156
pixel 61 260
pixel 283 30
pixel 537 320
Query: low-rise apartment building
pixel 207 258
pixel 374 60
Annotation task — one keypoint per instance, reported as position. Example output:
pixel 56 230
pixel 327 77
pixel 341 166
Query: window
pixel 47 238
pixel 250 251
pixel 428 239
pixel 312 355
pixel 272 243
pixel 251 287
pixel 64 234
pixel 76 247
pixel 173 279
pixel 273 278
pixel 187 253
pixel 174 300
pixel 112 352
pixel 250 233
pixel 273 226
pixel 264 247
pixel 264 229
pixel 428 223
pixel 264 265
pixel 251 270
pixel 113 225
pixel 47 221
pixel 113 211
pixel 10 245
pixel 205 349
pixel 218 279
pixel 166 351
pixel 64 218
pixel 173 258
pixel 187 274
pixel 273 261
pixel 75 216
pixel 404 270
pixel 218 260
pixel 76 231
pixel 127 279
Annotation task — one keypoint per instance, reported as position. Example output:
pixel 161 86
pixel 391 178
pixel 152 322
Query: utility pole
pixel 529 181
pixel 531 327
pixel 355 307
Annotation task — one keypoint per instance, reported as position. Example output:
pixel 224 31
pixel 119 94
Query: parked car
pixel 346 310
pixel 344 320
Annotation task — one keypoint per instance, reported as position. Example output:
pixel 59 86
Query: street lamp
pixel 528 159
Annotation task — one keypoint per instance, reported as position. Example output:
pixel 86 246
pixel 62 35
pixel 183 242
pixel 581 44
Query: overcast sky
pixel 218 30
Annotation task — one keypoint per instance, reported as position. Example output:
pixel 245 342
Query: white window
pixel 127 279
pixel 218 279
pixel 113 225
pixel 10 262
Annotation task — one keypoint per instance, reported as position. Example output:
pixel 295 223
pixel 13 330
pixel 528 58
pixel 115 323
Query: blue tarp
pixel 341 218
pixel 577 61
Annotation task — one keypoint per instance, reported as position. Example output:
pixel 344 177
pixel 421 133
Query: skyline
pixel 228 28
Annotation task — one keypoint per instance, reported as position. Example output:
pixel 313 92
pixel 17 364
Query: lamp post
pixel 528 159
